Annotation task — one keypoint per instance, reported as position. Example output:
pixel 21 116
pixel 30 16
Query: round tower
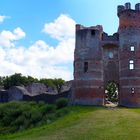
pixel 129 64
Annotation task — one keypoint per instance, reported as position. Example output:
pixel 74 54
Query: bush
pixel 50 108
pixel 61 112
pixel 36 116
pixel 61 102
pixel 17 116
pixel 41 103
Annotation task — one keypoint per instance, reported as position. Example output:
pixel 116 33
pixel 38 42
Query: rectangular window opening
pixel 93 32
pixel 132 90
pixel 132 48
pixel 85 66
pixel 131 66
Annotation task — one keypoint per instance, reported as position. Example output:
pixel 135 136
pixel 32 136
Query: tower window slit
pixel 85 66
pixel 92 32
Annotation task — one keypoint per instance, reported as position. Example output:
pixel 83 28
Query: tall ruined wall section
pixel 88 66
pixel 110 45
pixel 129 39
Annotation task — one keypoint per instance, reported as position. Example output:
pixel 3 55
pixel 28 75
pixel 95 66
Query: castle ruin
pixel 100 58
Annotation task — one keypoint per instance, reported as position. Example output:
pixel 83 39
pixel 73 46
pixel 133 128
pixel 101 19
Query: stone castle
pixel 100 58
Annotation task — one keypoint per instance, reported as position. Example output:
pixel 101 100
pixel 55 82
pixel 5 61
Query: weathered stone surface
pixel 3 96
pixel 16 93
pixel 67 86
pixel 108 59
pixel 36 89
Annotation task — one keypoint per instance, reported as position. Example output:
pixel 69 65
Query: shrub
pixel 36 115
pixel 61 102
pixel 49 108
pixel 41 103
pixel 19 121
pixel 17 116
pixel 61 112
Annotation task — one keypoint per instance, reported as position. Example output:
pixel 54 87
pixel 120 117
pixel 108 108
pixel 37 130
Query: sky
pixel 37 37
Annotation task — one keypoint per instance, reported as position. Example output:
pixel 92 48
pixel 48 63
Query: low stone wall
pixel 6 96
pixel 3 96
pixel 47 98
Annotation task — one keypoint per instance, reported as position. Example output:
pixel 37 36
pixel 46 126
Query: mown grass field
pixel 87 123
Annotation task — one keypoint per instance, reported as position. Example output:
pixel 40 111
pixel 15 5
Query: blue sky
pixel 31 16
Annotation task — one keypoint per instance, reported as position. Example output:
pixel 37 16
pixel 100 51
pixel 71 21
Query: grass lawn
pixel 87 123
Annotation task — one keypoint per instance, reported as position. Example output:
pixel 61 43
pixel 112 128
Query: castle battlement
pixel 127 7
pixel 81 27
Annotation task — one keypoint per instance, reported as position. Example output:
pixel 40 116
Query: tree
pixel 54 83
pixel 17 80
pixel 47 82
pixel 112 91
pixel 31 80
pixel 1 80
pixel 58 84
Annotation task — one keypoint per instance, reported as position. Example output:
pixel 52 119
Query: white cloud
pixel 2 18
pixel 18 33
pixel 39 59
pixel 7 37
pixel 62 28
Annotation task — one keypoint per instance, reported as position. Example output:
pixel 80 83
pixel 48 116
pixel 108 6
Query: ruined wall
pixel 16 93
pixel 111 64
pixel 36 88
pixel 129 35
pixel 3 96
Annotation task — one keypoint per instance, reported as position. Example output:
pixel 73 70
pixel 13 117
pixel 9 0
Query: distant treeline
pixel 18 79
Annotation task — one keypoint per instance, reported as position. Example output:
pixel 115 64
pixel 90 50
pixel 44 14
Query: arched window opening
pixel 131 64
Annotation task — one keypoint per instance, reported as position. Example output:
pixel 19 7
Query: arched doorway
pixel 112 93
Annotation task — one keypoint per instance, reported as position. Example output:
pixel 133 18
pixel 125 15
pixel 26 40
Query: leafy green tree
pixel 112 92
pixel 1 80
pixel 6 82
pixel 31 80
pixel 55 83
pixel 58 84
pixel 17 80
pixel 47 82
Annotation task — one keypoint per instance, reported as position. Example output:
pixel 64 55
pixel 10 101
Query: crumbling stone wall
pixel 36 89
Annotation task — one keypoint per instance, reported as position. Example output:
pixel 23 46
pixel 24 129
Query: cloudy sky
pixel 37 37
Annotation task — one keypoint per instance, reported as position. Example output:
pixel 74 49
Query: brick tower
pixel 129 52
pixel 88 66
pixel 100 58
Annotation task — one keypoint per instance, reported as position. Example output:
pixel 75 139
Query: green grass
pixel 87 123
